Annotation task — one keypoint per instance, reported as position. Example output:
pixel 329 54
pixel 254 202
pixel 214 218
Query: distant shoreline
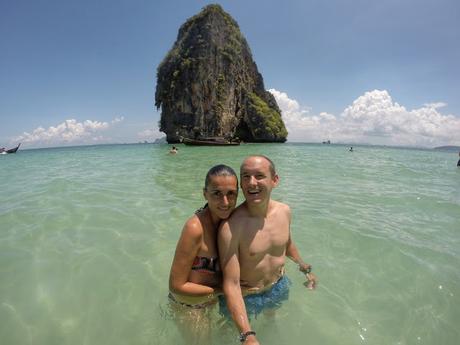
pixel 449 148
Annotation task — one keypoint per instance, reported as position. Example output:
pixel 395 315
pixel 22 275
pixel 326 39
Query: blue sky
pixel 377 72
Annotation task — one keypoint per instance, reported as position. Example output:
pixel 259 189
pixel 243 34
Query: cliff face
pixel 208 85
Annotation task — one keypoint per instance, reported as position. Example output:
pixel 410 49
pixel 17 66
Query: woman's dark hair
pixel 219 170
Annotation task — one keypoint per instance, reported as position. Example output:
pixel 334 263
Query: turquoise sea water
pixel 87 236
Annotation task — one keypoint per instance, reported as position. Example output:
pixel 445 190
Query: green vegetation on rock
pixel 264 117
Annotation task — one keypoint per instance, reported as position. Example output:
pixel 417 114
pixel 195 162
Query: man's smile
pixel 254 191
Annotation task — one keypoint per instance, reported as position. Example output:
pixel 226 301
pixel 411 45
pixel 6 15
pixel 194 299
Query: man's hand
pixel 311 277
pixel 311 281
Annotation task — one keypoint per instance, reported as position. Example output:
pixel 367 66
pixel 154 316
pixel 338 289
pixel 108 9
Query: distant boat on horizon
pixel 210 141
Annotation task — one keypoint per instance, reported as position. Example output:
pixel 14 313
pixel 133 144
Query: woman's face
pixel 221 194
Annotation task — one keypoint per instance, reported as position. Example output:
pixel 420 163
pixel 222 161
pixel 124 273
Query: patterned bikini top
pixel 204 263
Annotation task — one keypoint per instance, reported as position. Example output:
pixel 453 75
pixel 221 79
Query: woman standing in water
pixel 195 277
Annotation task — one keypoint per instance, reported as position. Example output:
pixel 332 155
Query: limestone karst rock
pixel 208 85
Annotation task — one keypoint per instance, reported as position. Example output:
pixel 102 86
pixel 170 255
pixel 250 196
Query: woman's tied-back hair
pixel 219 170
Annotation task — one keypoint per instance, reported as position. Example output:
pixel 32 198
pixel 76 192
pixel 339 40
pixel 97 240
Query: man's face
pixel 256 180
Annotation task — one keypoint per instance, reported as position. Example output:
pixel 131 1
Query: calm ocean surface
pixel 87 235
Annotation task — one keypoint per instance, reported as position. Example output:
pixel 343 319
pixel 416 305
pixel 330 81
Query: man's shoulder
pixel 237 217
pixel 240 212
pixel 280 206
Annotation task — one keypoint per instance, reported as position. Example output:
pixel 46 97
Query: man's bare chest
pixel 268 239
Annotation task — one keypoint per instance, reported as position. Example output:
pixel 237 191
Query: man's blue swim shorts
pixel 256 303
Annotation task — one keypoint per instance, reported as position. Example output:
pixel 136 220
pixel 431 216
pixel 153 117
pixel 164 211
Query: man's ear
pixel 276 180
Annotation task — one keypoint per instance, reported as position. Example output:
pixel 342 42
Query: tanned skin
pixel 255 240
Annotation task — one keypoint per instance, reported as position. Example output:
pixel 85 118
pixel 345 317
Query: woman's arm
pixel 187 249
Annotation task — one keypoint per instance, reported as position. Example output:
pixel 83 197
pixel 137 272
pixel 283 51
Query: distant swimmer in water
pixel 458 163
pixel 173 150
pixel 351 149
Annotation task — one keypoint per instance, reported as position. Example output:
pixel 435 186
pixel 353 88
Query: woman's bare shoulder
pixel 193 227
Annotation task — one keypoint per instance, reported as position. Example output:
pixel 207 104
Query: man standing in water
pixel 253 244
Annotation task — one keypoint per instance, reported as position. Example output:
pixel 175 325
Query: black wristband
pixel 307 270
pixel 243 336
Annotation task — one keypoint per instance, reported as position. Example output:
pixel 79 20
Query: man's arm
pixel 228 251
pixel 293 254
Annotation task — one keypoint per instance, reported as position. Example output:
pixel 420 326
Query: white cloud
pixel 435 105
pixel 372 118
pixel 68 132
pixel 117 119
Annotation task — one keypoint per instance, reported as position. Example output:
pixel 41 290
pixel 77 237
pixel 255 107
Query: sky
pixel 381 72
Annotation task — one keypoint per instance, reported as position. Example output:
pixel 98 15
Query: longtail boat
pixel 13 150
pixel 213 141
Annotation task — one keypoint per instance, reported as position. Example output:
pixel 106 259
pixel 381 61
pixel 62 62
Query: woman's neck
pixel 215 220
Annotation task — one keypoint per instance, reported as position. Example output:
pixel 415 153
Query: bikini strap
pixel 201 208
